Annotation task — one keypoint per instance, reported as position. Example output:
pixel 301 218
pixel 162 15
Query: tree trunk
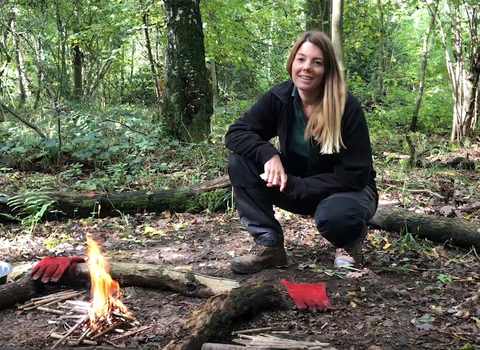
pixel 211 318
pixel 187 102
pixel 22 94
pixel 61 53
pixel 153 69
pixel 421 80
pixel 77 56
pixel 213 76
pixel 127 274
pixel 381 51
pixel 337 34
pixel 463 68
pixel 319 14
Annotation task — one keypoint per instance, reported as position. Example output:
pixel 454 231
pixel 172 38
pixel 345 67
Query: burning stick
pixel 108 330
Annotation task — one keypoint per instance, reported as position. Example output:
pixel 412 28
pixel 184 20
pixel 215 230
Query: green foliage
pixel 30 206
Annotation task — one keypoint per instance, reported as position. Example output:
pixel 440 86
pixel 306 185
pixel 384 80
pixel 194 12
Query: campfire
pixel 105 292
pixel 103 319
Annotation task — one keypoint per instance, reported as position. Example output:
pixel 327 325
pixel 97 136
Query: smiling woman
pixel 323 167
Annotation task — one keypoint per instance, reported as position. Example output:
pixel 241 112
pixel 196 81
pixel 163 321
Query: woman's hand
pixel 274 174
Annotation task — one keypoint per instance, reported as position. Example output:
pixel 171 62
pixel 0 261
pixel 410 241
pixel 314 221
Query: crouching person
pixel 323 167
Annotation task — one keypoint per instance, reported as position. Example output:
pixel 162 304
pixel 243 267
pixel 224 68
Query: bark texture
pixel 212 317
pixel 188 101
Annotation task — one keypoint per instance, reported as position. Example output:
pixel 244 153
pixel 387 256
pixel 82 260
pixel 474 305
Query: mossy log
pixel 438 229
pixel 215 193
pixel 213 317
pixel 212 195
pixel 127 274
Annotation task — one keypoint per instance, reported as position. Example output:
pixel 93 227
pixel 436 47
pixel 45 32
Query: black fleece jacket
pixel 350 169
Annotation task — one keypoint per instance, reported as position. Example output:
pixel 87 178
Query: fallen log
pixel 127 274
pixel 212 317
pixel 199 197
pixel 211 195
pixel 438 229
pixel 19 291
pixel 165 278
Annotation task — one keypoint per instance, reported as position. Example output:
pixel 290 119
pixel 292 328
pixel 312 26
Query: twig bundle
pixel 74 320
pixel 267 341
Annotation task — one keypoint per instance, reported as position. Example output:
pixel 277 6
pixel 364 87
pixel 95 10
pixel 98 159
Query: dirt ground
pixel 411 295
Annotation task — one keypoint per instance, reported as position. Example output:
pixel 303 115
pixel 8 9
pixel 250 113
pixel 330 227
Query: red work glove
pixel 308 295
pixel 52 268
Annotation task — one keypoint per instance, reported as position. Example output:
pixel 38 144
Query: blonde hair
pixel 325 123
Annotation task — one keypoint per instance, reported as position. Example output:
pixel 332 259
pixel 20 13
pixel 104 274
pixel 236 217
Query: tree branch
pixel 27 123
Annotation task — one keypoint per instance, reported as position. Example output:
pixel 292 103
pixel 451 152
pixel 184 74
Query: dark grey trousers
pixel 340 218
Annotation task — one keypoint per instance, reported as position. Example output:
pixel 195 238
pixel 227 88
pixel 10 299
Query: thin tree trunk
pixel 102 70
pixel 22 94
pixel 4 51
pixel 472 79
pixel 421 82
pixel 319 14
pixel 381 50
pixel 61 53
pixel 77 56
pixel 213 74
pixel 337 34
pixel 153 69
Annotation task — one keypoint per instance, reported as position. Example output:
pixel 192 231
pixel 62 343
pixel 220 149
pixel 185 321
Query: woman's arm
pixel 250 134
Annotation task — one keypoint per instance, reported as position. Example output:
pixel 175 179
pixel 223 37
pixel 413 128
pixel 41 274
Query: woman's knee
pixel 340 220
pixel 243 171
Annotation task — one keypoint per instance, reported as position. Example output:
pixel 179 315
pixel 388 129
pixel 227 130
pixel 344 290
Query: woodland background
pixel 118 104
pixel 115 96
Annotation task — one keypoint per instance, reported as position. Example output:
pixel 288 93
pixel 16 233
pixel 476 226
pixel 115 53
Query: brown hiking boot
pixel 259 258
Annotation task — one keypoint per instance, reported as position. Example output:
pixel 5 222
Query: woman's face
pixel 307 68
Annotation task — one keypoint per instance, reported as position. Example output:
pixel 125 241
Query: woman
pixel 324 165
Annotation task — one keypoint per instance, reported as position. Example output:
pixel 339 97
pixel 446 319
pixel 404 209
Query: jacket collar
pixel 284 91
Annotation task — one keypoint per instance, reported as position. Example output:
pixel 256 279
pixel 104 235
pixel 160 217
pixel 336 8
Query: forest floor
pixel 411 294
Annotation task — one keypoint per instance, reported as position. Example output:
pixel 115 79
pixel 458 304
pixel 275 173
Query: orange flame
pixel 105 292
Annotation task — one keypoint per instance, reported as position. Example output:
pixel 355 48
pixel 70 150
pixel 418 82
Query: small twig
pixel 427 191
pixel 259 330
pixel 49 301
pixel 52 311
pixel 475 252
pixel 129 333
pixel 53 295
pixel 82 337
pixel 126 317
pixel 83 341
pixel 108 330
pixel 67 317
pixel 69 332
